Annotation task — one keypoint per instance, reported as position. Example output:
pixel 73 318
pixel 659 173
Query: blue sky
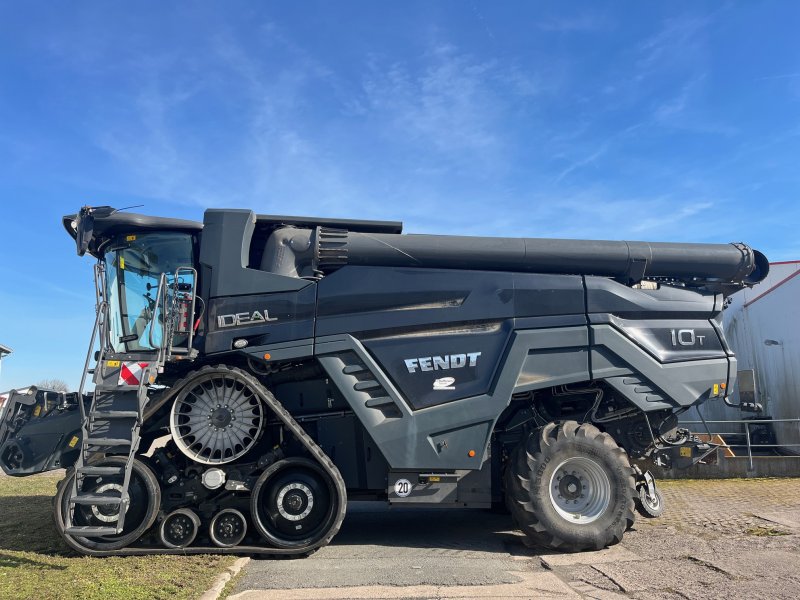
pixel 626 120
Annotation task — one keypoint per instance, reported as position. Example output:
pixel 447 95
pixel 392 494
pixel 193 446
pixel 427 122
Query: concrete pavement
pixel 718 539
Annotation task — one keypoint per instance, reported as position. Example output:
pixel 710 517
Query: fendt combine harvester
pixel 252 374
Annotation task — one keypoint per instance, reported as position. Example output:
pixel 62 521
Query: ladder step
pixel 90 530
pixel 115 388
pixel 114 414
pixel 108 442
pixel 101 470
pixel 95 499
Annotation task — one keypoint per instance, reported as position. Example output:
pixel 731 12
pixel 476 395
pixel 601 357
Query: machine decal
pixel 244 318
pixel 131 372
pixel 442 363
pixel 402 487
pixel 685 337
pixel 445 383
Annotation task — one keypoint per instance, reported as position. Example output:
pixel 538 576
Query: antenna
pixel 126 208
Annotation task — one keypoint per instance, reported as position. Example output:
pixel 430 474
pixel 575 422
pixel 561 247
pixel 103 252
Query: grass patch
pixel 35 563
pixel 763 531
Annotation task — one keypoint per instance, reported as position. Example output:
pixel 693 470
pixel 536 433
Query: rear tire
pixel 571 487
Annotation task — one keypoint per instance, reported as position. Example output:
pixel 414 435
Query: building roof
pixel 4 350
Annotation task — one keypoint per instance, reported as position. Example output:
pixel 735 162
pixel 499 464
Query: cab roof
pixel 93 226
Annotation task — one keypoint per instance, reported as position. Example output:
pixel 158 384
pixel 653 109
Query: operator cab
pixel 146 277
pixel 133 267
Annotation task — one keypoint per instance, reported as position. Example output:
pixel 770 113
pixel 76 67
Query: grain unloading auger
pixel 253 374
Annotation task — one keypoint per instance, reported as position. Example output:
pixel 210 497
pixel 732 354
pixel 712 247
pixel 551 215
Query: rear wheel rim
pixel 580 490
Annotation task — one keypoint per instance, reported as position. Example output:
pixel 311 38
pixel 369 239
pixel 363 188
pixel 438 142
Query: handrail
pixel 190 309
pixel 748 441
pixel 161 283
pixel 98 321
pixel 793 420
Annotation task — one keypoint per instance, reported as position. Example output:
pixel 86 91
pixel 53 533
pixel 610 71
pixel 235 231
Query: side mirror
pixel 84 229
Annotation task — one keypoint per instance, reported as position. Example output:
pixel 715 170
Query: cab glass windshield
pixel 133 267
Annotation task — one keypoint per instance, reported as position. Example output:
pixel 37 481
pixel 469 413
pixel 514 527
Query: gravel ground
pixel 717 539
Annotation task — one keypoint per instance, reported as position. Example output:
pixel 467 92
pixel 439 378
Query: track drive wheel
pixel 145 498
pixel 650 505
pixel 295 504
pixel 570 487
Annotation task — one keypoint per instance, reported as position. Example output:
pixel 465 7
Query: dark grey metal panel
pixel 420 363
pixel 555 357
pixel 606 296
pixel 550 321
pixel 349 224
pixel 224 252
pixel 675 384
pixel 544 295
pixel 278 352
pixel 471 488
pixel 669 340
pixel 413 439
pixel 291 317
pixel 355 299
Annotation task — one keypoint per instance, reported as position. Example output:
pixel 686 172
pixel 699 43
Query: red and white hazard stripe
pixel 131 373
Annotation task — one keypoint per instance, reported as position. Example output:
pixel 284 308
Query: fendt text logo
pixel 244 318
pixel 442 363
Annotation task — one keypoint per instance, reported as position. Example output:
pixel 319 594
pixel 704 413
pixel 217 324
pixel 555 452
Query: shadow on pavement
pixel 375 524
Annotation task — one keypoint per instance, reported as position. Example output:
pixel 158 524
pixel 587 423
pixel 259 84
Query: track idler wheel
pixel 228 528
pixel 179 528
pixel 145 498
pixel 294 503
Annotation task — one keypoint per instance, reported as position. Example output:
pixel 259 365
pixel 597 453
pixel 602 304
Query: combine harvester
pixel 296 364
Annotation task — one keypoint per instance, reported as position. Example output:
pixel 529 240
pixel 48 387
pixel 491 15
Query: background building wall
pixel 763 328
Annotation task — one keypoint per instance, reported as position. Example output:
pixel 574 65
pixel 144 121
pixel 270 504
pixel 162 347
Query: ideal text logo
pixel 244 318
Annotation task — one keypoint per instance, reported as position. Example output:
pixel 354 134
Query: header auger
pixel 252 374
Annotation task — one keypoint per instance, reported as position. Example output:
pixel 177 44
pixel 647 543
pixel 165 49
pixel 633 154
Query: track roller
pixel 179 528
pixel 228 528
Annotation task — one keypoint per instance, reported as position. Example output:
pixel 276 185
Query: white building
pixel 762 326
pixel 4 351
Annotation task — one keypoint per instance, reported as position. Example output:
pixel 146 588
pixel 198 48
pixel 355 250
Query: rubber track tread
pixel 316 452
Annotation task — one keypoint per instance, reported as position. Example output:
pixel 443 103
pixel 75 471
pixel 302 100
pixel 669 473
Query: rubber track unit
pixel 527 487
pixel 314 450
